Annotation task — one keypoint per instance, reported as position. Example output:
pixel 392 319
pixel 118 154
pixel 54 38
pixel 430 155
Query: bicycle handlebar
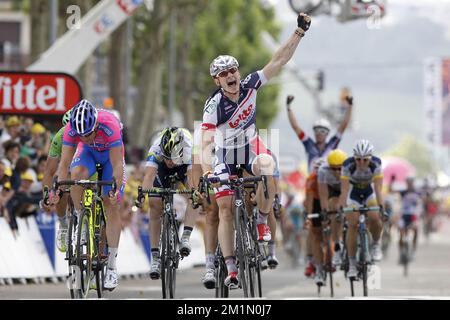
pixel 235 181
pixel 360 209
pixel 85 183
pixel 162 191
pixel 158 193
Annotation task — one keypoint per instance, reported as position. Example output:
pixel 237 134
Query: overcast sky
pixel 384 68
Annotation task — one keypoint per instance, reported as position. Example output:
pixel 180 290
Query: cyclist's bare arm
pixel 309 201
pixel 66 158
pixel 285 53
pixel 378 184
pixel 116 158
pixel 323 194
pixel 345 187
pixel 51 166
pixel 190 178
pixel 149 178
pixel 207 147
pixel 347 117
pixel 293 121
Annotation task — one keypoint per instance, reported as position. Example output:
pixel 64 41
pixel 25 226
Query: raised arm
pixel 285 53
pixel 347 116
pixel 291 117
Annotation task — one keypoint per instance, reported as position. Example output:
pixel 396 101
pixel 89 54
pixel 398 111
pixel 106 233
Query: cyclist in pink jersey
pixel 97 133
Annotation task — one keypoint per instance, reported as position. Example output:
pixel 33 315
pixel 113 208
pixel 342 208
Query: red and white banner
pixel 71 50
pixel 38 93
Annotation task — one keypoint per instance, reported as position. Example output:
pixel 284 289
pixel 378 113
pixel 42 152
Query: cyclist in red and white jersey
pixel 229 126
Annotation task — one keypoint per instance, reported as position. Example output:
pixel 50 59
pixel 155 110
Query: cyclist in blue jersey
pixel 361 184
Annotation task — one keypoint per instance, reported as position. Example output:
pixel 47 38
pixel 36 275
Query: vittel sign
pixel 38 93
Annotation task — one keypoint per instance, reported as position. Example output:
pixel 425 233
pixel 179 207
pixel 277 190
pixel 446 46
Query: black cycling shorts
pixel 162 179
pixel 316 222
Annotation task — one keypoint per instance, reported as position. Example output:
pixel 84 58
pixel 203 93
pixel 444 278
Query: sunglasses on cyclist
pixel 335 168
pixel 321 130
pixel 365 159
pixel 224 73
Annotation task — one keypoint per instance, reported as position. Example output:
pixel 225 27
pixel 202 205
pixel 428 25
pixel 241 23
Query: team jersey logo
pixel 241 117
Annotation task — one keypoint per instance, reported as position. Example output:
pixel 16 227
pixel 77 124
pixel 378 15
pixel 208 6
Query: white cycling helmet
pixel 221 63
pixel 83 118
pixel 322 123
pixel 363 148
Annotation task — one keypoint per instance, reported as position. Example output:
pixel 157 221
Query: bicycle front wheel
pixel 221 274
pixel 240 244
pixel 71 254
pixel 363 260
pixel 173 263
pixel 254 258
pixel 165 257
pixel 83 255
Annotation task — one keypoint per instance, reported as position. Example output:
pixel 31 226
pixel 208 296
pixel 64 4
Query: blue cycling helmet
pixel 83 118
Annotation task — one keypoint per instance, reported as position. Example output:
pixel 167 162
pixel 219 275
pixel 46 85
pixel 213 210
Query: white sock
pixel 210 258
pixel 112 258
pixel 62 222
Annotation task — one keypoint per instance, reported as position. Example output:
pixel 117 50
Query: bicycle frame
pixel 169 238
pixel 363 255
pixel 246 256
pixel 92 207
pixel 326 234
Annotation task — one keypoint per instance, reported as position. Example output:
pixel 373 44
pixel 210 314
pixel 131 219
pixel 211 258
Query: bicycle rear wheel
pixel 101 255
pixel 259 257
pixel 83 255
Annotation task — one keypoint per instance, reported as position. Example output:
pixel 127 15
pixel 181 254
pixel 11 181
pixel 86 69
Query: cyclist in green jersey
pixel 54 156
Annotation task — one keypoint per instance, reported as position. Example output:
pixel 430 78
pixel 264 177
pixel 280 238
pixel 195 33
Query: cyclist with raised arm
pixel 329 191
pixel 51 166
pixel 361 185
pixel 170 154
pixel 319 147
pixel 93 136
pixel 229 126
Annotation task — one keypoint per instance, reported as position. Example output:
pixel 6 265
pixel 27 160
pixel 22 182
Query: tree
pixel 116 66
pixel 148 62
pixel 416 153
pixel 39 27
pixel 232 27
